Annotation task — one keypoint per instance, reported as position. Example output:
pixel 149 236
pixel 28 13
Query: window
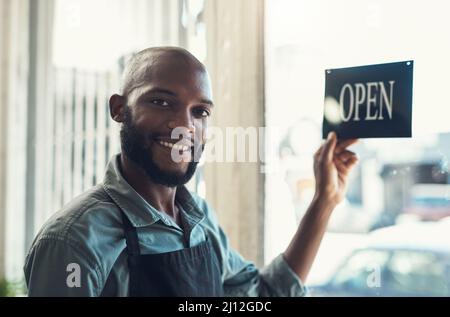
pixel 397 180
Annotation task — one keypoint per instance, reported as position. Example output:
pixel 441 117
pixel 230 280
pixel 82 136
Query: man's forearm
pixel 303 248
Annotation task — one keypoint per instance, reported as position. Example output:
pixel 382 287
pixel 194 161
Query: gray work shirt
pixel 80 251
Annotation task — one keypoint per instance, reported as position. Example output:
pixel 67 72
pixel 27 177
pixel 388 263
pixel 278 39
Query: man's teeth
pixel 176 146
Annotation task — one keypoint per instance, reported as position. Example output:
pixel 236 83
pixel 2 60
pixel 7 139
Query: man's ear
pixel 117 106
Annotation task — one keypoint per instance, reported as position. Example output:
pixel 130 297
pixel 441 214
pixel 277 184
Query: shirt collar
pixel 136 208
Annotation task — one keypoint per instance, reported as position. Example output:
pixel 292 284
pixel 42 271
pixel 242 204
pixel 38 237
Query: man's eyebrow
pixel 160 90
pixel 173 94
pixel 208 102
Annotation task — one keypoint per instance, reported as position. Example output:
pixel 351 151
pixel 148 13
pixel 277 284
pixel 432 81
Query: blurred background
pixel 61 60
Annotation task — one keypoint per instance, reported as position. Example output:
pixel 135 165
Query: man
pixel 140 232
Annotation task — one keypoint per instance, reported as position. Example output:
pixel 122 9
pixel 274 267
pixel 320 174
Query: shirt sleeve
pixel 58 268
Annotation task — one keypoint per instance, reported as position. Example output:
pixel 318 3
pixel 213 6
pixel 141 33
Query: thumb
pixel 328 147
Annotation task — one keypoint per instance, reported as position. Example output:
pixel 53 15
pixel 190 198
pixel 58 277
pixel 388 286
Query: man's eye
pixel 202 113
pixel 160 102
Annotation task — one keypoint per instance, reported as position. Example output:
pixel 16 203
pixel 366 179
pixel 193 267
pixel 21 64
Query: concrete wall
pixel 235 61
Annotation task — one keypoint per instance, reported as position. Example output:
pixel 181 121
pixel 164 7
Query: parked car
pixel 411 259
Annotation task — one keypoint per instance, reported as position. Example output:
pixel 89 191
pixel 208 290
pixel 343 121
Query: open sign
pixel 373 101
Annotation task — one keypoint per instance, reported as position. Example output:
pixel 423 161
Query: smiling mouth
pixel 169 145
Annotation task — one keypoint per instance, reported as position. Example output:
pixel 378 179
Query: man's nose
pixel 182 120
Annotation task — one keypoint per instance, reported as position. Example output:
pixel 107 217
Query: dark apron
pixel 185 273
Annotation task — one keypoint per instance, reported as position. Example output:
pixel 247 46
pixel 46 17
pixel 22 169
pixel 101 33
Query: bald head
pixel 154 62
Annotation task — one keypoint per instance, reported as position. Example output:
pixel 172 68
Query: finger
pixel 329 147
pixel 346 155
pixel 343 144
pixel 351 162
pixel 349 165
pixel 344 167
pixel 318 152
pixel 341 167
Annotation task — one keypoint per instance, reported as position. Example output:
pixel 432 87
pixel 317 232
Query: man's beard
pixel 133 145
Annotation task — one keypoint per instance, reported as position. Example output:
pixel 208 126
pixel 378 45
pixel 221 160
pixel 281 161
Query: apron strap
pixel 131 236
